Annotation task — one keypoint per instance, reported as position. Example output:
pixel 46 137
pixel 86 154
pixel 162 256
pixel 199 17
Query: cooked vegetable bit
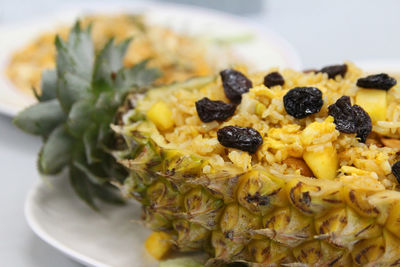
pixel 260 108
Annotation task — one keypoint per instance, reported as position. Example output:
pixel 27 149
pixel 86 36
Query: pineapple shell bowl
pixel 296 174
pixel 277 167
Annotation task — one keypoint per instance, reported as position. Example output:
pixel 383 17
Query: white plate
pixel 106 238
pixel 266 48
pixel 379 65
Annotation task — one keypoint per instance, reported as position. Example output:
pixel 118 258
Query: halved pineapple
pixel 258 215
pixel 196 197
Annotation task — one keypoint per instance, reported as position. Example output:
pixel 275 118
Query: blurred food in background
pixel 179 57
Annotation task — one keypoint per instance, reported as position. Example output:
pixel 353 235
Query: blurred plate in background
pixel 261 48
pixel 375 66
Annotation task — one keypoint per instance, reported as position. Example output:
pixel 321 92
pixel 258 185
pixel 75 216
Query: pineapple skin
pixel 259 218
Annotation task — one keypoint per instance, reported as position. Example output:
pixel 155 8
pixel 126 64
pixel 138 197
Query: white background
pixel 323 32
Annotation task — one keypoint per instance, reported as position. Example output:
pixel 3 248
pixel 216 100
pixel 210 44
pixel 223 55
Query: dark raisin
pixel 235 84
pixel 243 138
pixel 363 123
pixel 272 79
pixel 350 119
pixel 377 81
pixel 396 171
pixel 303 101
pixel 343 115
pixel 334 70
pixel 209 110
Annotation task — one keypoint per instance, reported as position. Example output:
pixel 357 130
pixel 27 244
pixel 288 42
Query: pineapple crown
pixel 78 102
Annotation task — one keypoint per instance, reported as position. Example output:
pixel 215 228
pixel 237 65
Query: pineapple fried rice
pixel 319 190
pixel 262 109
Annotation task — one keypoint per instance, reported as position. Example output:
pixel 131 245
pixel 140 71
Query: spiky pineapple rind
pixel 265 218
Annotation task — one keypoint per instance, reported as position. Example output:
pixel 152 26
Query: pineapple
pixel 191 201
pixel 161 116
pixel 258 218
pixel 373 101
pixel 323 163
pixel 158 244
pixel 255 216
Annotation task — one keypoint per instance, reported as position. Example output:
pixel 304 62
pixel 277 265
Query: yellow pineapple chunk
pixel 161 115
pixel 373 101
pixel 323 160
pixel 158 244
pixel 324 163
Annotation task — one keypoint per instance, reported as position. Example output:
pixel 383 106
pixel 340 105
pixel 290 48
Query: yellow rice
pixel 282 133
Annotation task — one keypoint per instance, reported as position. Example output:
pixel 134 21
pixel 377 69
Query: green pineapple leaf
pixel 76 56
pixel 89 138
pixel 79 117
pixel 41 119
pixel 48 85
pixel 109 61
pixel 81 186
pixel 138 75
pixel 108 194
pixel 78 103
pixel 92 172
pixel 57 151
pixel 74 63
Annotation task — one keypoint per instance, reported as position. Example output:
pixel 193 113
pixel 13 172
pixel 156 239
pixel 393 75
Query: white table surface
pixel 324 32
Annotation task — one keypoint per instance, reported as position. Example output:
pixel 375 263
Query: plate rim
pixel 35 226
